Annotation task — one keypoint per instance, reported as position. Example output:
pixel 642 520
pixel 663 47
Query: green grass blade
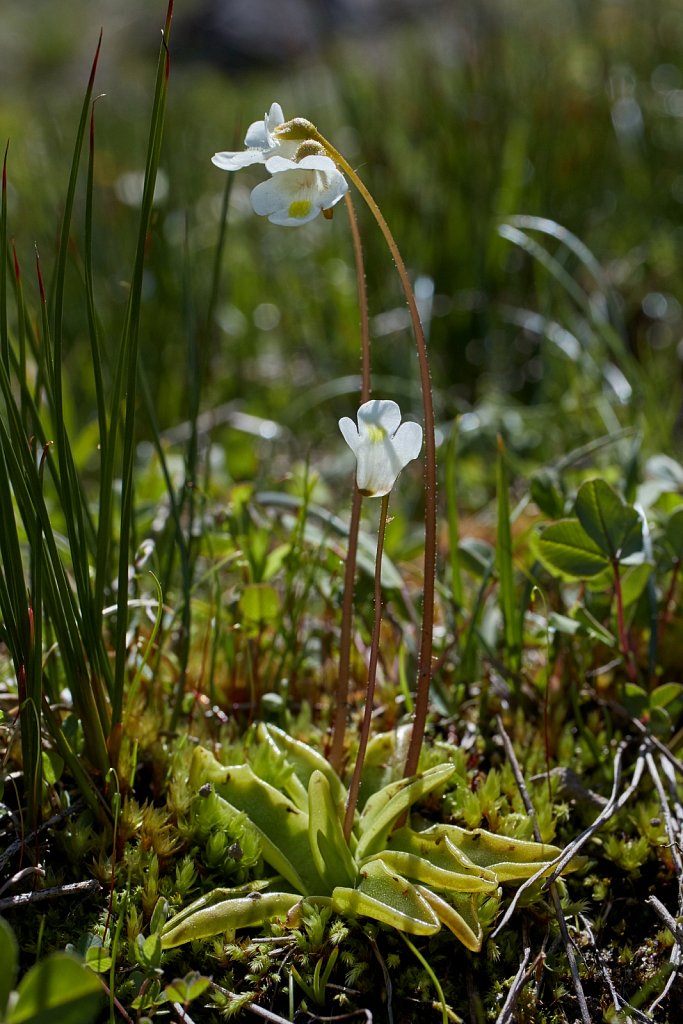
pixel 80 530
pixel 16 616
pixel 25 481
pixel 70 492
pixel 101 566
pixel 4 336
pixel 128 369
pixel 457 589
pixel 181 547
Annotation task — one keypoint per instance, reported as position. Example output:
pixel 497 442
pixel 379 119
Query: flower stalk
pixel 354 788
pixel 336 753
pixel 307 178
pixel 299 128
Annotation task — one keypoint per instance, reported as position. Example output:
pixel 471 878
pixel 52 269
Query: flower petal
pixel 337 187
pixel 378 467
pixel 234 161
pixel 257 136
pixel 407 442
pixel 382 445
pixel 378 413
pixel 274 117
pixel 350 433
pixel 266 197
pixel 296 194
pixel 276 164
pixel 284 203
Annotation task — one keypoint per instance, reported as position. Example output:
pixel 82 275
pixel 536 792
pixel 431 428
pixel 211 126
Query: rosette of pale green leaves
pixel 409 879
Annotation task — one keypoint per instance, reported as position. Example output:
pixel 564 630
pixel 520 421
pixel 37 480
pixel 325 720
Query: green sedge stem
pixel 425 656
pixel 435 981
pixel 342 696
pixel 354 788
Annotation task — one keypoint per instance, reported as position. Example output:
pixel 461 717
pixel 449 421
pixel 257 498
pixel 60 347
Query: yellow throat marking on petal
pixel 299 208
pixel 376 435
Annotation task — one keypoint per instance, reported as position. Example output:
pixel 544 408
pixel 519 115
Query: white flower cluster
pixel 304 181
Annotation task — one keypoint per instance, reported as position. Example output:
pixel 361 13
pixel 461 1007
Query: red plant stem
pixel 354 788
pixel 668 600
pixel 424 672
pixel 621 625
pixel 342 696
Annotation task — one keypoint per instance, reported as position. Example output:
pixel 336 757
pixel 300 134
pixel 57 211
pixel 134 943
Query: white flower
pixel 298 191
pixel 260 142
pixel 382 445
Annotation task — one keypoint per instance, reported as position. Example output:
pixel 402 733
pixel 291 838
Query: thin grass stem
pixel 127 370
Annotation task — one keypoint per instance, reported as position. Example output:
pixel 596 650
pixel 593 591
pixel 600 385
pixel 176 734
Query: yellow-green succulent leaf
pixel 512 860
pixel 460 918
pixel 436 864
pixel 389 899
pixel 204 768
pixel 305 760
pixel 384 808
pixel 292 785
pixel 218 896
pixel 329 849
pixel 384 759
pixel 281 827
pixel 210 899
pixel 226 915
pixel 442 854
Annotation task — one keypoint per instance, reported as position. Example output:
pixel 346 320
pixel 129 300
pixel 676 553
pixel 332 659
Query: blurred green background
pixel 458 117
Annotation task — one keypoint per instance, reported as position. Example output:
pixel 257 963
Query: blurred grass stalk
pixel 69 593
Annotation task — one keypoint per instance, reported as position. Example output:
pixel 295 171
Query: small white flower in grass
pixel 260 142
pixel 299 190
pixel 382 445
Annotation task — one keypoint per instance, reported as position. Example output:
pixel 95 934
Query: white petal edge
pixel 379 412
pixel 378 467
pixel 275 116
pixel 235 161
pixel 337 189
pixel 407 442
pixel 350 433
pixel 267 197
pixel 284 220
pixel 277 164
pixel 257 136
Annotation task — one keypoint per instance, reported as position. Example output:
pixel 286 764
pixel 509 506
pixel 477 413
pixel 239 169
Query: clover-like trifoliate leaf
pixel 612 524
pixel 565 548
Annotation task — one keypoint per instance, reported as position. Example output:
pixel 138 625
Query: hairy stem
pixel 342 695
pixel 621 625
pixel 372 676
pixel 425 656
